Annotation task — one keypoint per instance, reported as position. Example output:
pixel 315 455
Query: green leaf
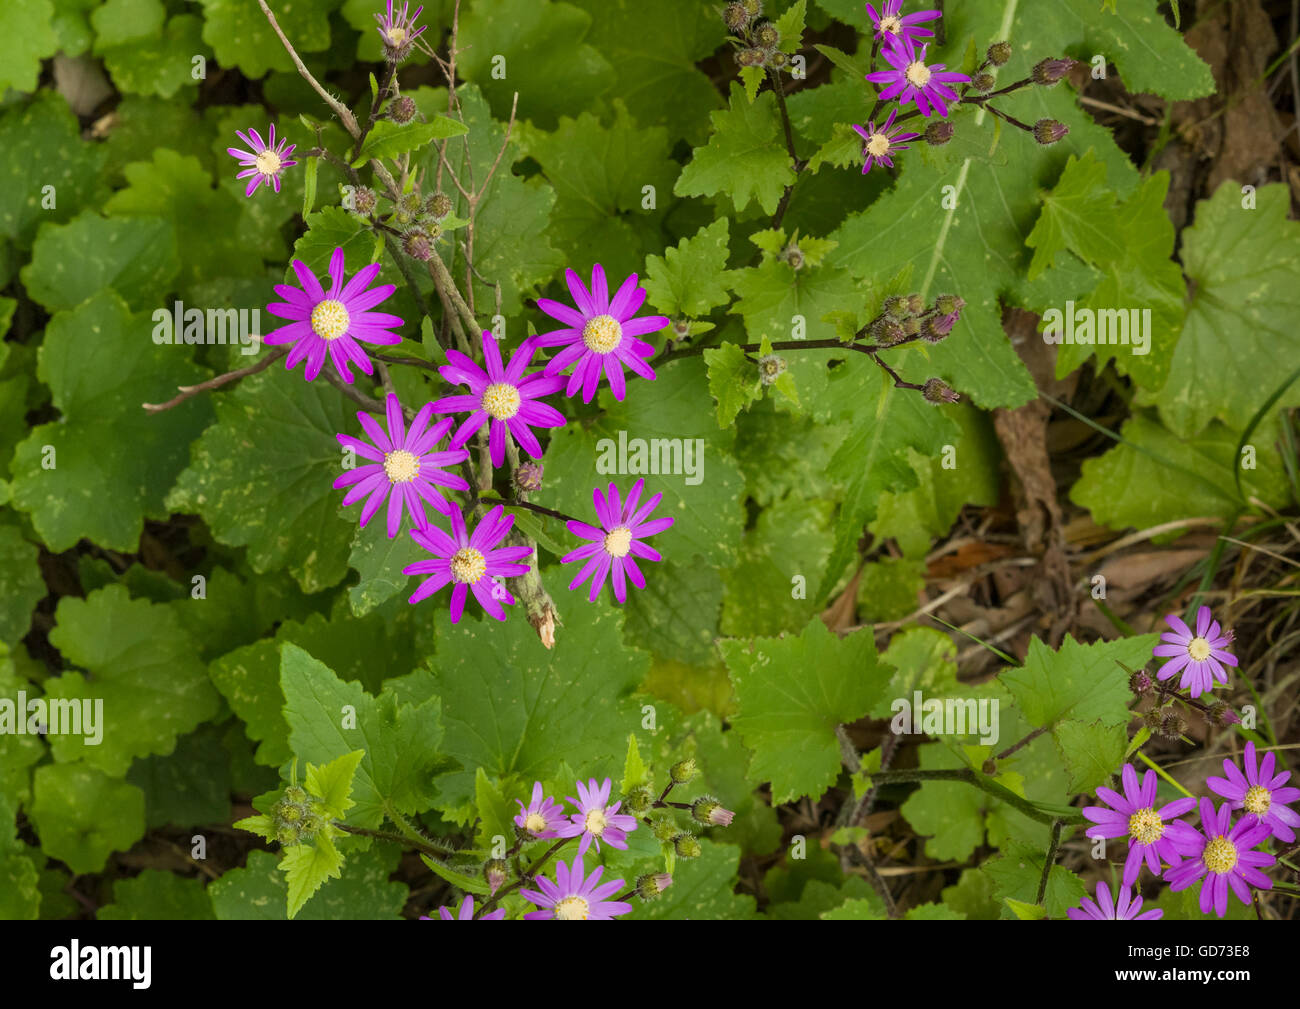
pixel 733 381
pixel 17 752
pixel 379 561
pixel 307 867
pixel 160 64
pixel 249 679
pixel 82 815
pixel 924 659
pixel 676 615
pixel 309 186
pixel 189 787
pixel 241 36
pixel 949 814
pixel 790 26
pixel 1091 752
pixel 142 667
pixel 791 695
pixel 387 139
pixel 26 38
pixel 745 158
pixel 155 895
pixel 1026 912
pixel 1016 873
pixel 269 485
pixel 689 280
pixel 634 768
pixel 260 892
pixel 21 583
pixel 1082 682
pixel 703 889
pixel 1078 214
pixel 332 783
pixel 329 718
pixel 118 21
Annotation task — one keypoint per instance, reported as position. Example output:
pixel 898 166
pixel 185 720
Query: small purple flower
pixel 264 162
pixel 601 334
pixel 466 913
pixel 574 896
pixel 401 462
pixel 1123 908
pixel 395 30
pixel 542 817
pixel 332 323
pixel 501 396
pixel 1200 656
pixel 595 820
pixel 469 562
pixel 879 145
pixel 911 80
pixel 892 24
pixel 1260 793
pixel 1224 858
pixel 1152 833
pixel 623 526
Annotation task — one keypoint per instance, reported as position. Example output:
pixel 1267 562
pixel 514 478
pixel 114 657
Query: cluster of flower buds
pixel 297 817
pixel 905 318
pixel 421 220
pixel 756 39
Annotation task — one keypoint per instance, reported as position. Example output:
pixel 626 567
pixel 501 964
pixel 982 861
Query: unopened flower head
pixel 1153 834
pixel 1221 856
pixel 652 884
pixel 596 820
pixel 469 562
pixel 528 477
pixel 364 201
pixel 892 25
pixel 937 391
pixel 263 162
pixel 687 846
pixel 402 110
pixel 735 17
pixel 766 35
pixel 494 873
pixel 614 547
pixel 398 31
pixel 684 771
pixel 1259 792
pixel 709 811
pixel 542 817
pixel 880 145
pixel 999 53
pixel 982 82
pixel 438 206
pixel 402 466
pixel 1047 72
pixel 912 80
pixel 575 896
pixel 332 324
pixel 1123 907
pixel 1200 657
pixel 502 397
pixel 770 368
pixel 1049 131
pixel 416 244
pixel 600 335
pixel 939 133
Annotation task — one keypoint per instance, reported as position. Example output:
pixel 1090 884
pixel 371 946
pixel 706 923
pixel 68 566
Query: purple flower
pixel 600 334
pixel 574 896
pixel 1122 908
pixel 595 820
pixel 879 144
pixel 1150 833
pixel 1260 793
pixel 614 545
pixel 401 461
pixel 395 30
pixel 1223 857
pixel 332 323
pixel 466 912
pixel 469 562
pixel 1200 656
pixel 264 162
pixel 892 24
pixel 501 396
pixel 543 817
pixel 911 80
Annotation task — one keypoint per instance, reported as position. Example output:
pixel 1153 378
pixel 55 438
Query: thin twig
pixel 217 382
pixel 342 111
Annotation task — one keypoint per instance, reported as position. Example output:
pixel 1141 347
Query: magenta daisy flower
pixel 332 323
pixel 398 31
pixel 264 162
pixel 892 24
pixel 617 541
pixel 469 562
pixel 1223 856
pixel 1152 833
pixel 574 896
pixel 466 912
pixel 601 334
pixel 542 817
pixel 879 145
pixel 1123 908
pixel 501 396
pixel 596 820
pixel 1200 656
pixel 401 462
pixel 1260 793
pixel 911 80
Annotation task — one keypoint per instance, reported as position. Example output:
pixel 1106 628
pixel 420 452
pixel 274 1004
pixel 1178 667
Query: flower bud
pixel 652 884
pixel 770 368
pixel 766 35
pixel 752 7
pixel 912 327
pixel 416 244
pixel 1171 725
pixel 664 829
pixel 687 846
pixel 949 304
pixel 402 110
pixel 989 767
pixel 751 57
pixel 1047 72
pixel 939 133
pixel 1153 719
pixel 982 82
pixel 1139 682
pixel 708 811
pixel 777 59
pixel 528 477
pixel 494 871
pixel 287 835
pixel 937 391
pixel 886 332
pixel 935 328
pixel 638 800
pixel 897 307
pixel 735 17
pixel 438 206
pixel 794 256
pixel 289 812
pixel 683 771
pixel 915 304
pixel 295 793
pixel 1222 715
pixel 364 201
pixel 1049 131
pixel 999 53
pixel 681 329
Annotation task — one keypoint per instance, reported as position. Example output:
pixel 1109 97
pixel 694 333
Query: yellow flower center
pixel 535 823
pixel 596 822
pixel 1145 826
pixel 329 319
pixel 878 145
pixel 1258 799
pixel 501 400
pixel 468 565
pixel 401 466
pixel 1198 649
pixel 891 25
pixel 396 36
pixel 572 909
pixel 618 541
pixel 1220 855
pixel 602 334
pixel 918 74
pixel 268 162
